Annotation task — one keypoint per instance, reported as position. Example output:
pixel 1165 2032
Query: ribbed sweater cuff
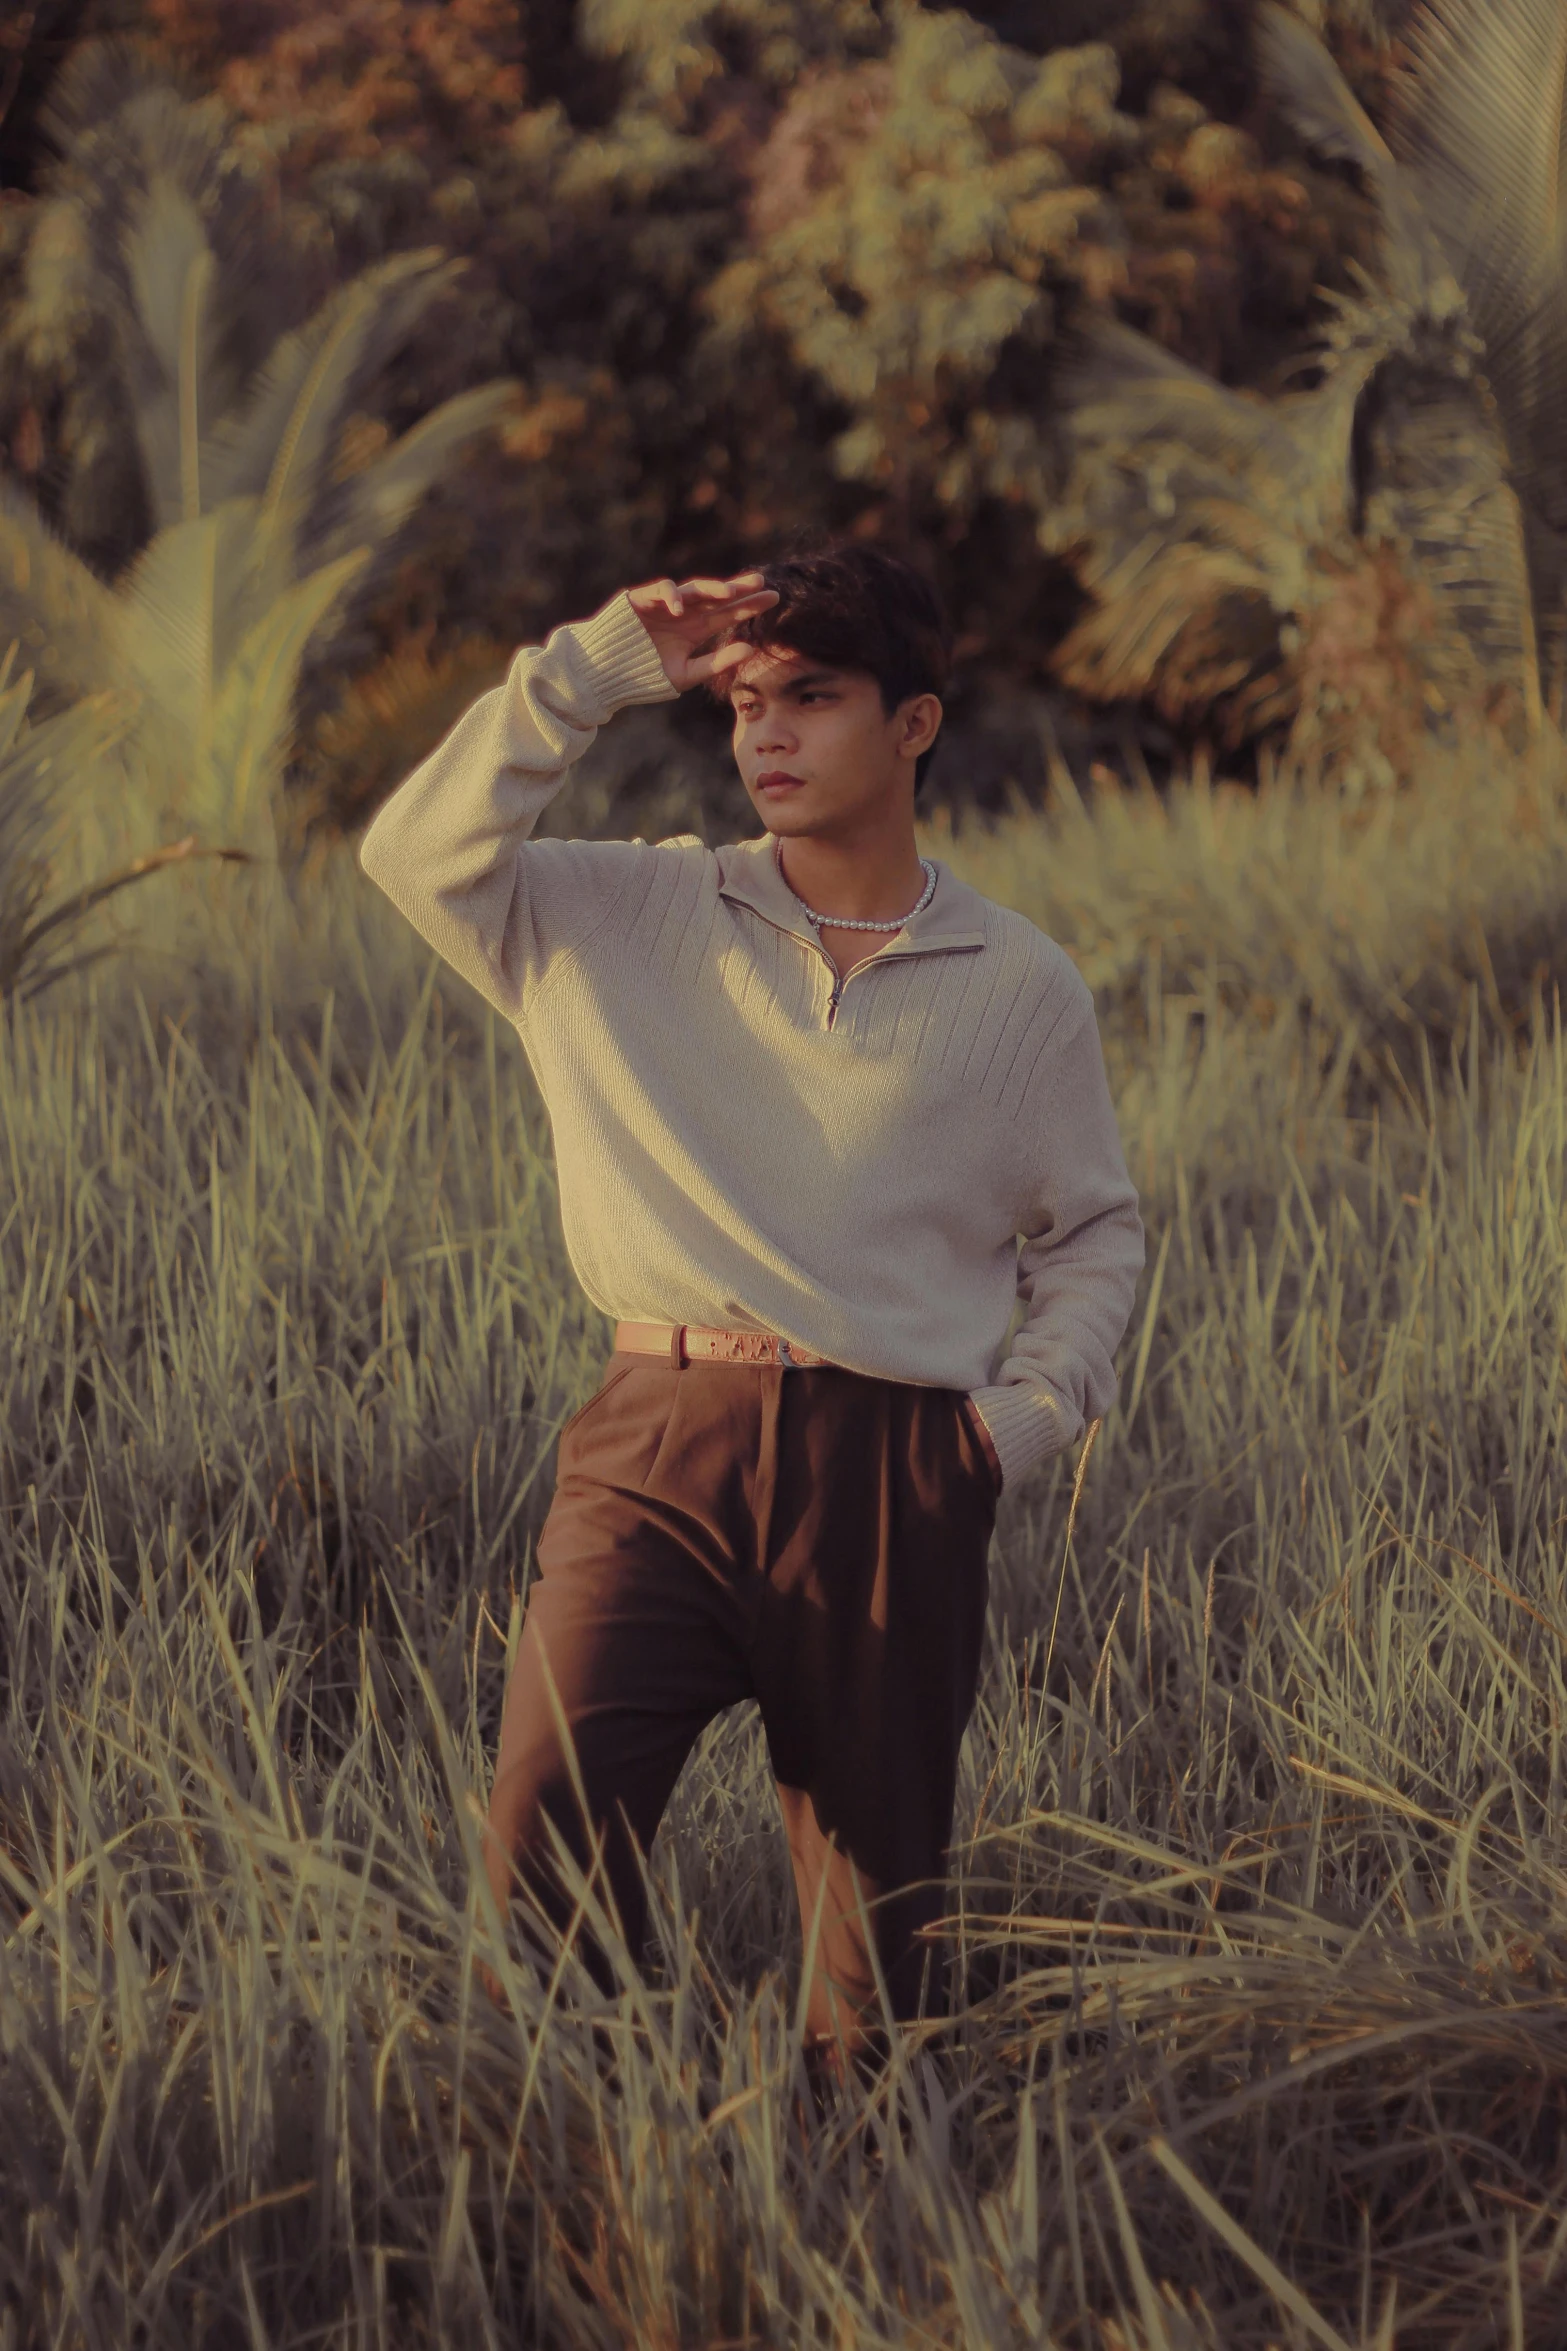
pixel 1028 1422
pixel 621 657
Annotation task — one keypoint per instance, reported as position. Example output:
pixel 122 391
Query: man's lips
pixel 774 778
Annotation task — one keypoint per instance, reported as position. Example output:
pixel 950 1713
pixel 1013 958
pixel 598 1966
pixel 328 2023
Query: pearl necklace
pixel 840 922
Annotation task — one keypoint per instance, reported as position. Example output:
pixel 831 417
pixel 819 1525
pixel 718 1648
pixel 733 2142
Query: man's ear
pixel 918 715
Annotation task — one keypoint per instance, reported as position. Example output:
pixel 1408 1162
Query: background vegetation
pixel 752 264
pixel 1213 354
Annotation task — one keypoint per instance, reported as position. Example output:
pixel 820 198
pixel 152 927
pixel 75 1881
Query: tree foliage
pixel 963 196
pixel 762 263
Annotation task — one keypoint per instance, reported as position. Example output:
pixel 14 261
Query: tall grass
pixel 1258 1897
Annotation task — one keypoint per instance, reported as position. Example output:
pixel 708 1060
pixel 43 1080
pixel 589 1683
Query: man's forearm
pixel 448 846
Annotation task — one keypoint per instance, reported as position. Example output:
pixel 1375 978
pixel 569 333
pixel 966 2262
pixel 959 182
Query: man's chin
pixel 785 816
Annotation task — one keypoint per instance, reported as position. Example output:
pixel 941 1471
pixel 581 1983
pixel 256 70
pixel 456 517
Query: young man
pixel 807 1090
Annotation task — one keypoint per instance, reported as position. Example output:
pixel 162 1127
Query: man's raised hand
pixel 683 622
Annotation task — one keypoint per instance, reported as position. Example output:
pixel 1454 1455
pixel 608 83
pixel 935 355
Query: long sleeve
pixel 451 846
pixel 1083 1250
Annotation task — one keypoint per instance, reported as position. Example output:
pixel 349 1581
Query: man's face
pixel 828 728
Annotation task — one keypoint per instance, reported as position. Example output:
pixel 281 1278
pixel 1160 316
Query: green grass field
pixel 1259 1892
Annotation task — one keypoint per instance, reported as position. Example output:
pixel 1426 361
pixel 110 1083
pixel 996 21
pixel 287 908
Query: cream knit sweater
pixel 741 1142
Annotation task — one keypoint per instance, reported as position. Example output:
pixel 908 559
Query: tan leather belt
pixel 687 1342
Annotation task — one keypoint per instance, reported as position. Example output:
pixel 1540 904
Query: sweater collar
pixel 748 872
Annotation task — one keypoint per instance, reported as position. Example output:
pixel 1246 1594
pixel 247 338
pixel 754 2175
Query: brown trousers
pixel 812 1538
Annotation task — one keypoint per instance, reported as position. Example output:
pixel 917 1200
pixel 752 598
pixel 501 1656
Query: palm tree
pixel 1481 131
pixel 1241 550
pixel 257 526
pixel 1210 526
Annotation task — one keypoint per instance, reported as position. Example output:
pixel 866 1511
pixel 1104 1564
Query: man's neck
pixel 858 883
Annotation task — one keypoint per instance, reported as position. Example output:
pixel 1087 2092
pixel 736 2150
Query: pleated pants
pixel 815 1539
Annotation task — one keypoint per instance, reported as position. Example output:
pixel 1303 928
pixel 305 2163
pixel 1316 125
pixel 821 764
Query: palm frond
pixel 40 766
pixel 372 504
pixel 96 82
pixel 1481 121
pixel 67 913
pixel 183 608
pixel 163 214
pixel 252 717
pixel 1116 384
pixel 1105 355
pixel 1164 444
pixel 58 610
pixel 175 337
pixel 1482 124
pixel 1159 592
pixel 15 694
pixel 1301 76
pixel 278 444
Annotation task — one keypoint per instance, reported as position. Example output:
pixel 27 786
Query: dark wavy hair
pixel 853 606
